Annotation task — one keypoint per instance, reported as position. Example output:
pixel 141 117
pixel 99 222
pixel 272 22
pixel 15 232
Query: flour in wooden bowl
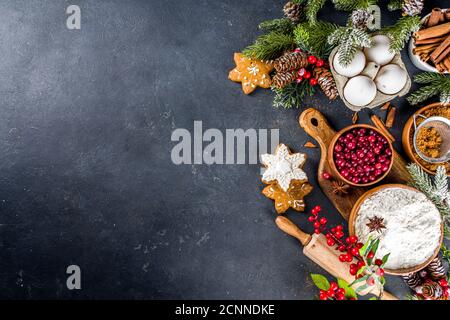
pixel 406 222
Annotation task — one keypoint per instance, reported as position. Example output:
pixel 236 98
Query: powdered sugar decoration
pixel 412 223
pixel 283 167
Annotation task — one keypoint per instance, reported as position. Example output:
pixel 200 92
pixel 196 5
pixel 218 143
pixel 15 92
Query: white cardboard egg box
pixel 380 98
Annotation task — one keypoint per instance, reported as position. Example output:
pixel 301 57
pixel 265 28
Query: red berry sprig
pixel 335 238
pixel 333 293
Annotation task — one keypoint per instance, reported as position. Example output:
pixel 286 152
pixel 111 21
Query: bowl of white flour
pixel 409 226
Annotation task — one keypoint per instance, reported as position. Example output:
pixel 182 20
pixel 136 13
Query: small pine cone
pixel 291 61
pixel 282 79
pixel 436 269
pixel 360 19
pixel 326 82
pixel 412 7
pixel 413 280
pixel 293 11
pixel 430 290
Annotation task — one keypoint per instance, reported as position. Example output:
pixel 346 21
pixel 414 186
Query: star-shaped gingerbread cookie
pixel 251 73
pixel 292 198
pixel 283 167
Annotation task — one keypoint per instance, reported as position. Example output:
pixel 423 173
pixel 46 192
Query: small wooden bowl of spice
pixel 427 139
pixel 360 155
pixel 408 224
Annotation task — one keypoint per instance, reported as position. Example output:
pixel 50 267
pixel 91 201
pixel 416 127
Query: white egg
pixel 353 68
pixel 379 52
pixel 360 91
pixel 391 79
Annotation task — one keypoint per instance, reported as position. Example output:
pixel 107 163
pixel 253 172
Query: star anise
pixel 376 224
pixel 340 187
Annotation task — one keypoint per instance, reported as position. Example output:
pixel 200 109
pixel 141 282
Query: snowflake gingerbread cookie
pixel 287 182
pixel 251 73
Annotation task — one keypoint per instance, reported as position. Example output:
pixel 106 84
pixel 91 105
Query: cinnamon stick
pixel 386 106
pixel 441 52
pixel 435 17
pixel 425 48
pixel 447 63
pixel 390 118
pixel 430 40
pixel 433 32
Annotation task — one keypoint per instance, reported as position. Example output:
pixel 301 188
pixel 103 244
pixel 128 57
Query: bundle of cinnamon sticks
pixel 433 40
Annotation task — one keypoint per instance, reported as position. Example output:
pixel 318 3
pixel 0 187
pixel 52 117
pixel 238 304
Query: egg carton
pixel 380 97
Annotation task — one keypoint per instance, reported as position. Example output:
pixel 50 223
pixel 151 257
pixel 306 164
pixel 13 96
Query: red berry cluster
pixel 362 155
pixel 444 284
pixel 348 246
pixel 305 74
pixel 333 293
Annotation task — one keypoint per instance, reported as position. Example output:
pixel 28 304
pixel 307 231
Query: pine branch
pixel 283 25
pixel 422 94
pixel 350 5
pixel 312 8
pixel 292 95
pixel 349 39
pixel 394 5
pixel 427 77
pixel 313 38
pixel 270 46
pixel 420 179
pixel 441 184
pixel 436 84
pixel 400 32
pixel 436 192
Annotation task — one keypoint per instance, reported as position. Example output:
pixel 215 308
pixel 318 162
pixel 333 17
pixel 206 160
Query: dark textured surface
pixel 85 171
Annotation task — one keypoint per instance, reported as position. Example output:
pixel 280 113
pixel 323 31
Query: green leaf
pixel 361 271
pixel 320 281
pixel 362 251
pixel 385 259
pixel 373 298
pixel 363 278
pixel 349 292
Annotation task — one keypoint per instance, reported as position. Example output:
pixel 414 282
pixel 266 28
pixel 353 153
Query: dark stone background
pixel 85 172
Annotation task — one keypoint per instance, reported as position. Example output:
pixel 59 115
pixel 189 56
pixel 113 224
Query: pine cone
pixel 412 7
pixel 360 19
pixel 413 280
pixel 326 82
pixel 436 269
pixel 291 61
pixel 430 290
pixel 282 79
pixel 293 11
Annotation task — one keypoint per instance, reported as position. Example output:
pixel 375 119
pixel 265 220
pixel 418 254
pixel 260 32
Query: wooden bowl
pixel 330 154
pixel 355 211
pixel 407 134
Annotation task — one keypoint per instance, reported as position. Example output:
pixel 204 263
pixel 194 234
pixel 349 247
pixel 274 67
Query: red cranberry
pixel 351 145
pixel 338 148
pixel 372 138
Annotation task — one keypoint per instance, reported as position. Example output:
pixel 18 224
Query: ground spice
pixel 429 142
pixel 440 111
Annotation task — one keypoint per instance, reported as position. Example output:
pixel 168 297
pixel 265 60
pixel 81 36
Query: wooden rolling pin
pixel 315 247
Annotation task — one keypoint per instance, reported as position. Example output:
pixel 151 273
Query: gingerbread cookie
pixel 283 166
pixel 251 73
pixel 292 198
pixel 288 183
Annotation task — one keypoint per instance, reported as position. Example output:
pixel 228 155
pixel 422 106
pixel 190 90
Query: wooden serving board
pixel 316 125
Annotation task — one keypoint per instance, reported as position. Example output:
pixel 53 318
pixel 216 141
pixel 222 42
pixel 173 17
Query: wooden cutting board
pixel 317 126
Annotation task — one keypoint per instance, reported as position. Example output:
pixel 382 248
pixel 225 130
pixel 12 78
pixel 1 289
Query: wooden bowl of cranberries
pixel 360 155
